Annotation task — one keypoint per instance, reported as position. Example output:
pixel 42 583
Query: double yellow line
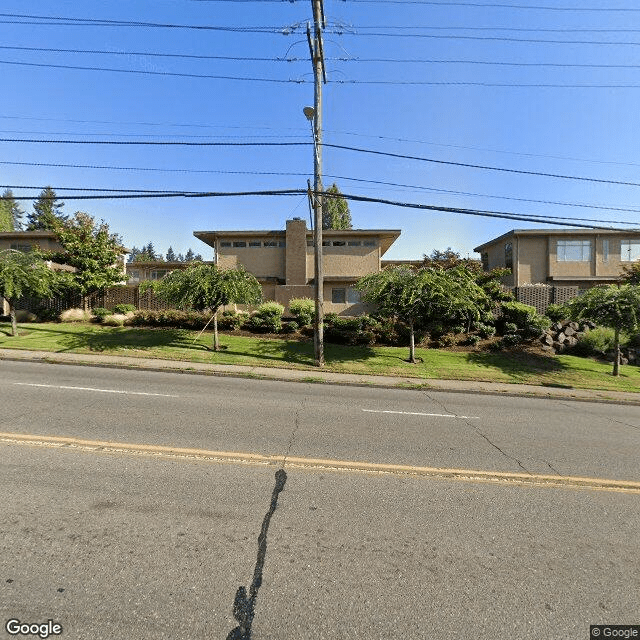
pixel 472 475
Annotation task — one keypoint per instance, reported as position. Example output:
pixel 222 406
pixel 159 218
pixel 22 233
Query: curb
pixel 315 377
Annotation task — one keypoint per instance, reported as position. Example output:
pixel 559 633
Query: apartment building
pixel 562 257
pixel 283 260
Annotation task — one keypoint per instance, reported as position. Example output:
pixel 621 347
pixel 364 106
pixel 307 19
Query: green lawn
pixel 177 344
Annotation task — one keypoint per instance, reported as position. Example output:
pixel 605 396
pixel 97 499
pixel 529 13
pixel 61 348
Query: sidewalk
pixel 319 376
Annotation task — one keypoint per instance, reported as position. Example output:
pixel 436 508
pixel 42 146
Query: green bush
pixel 44 314
pixel 510 327
pixel 472 340
pixel 536 327
pixel 303 310
pixel 290 326
pixel 267 318
pixel 170 318
pixel 597 342
pixel 100 313
pixel 511 339
pixel 351 331
pixel 123 308
pixel 231 320
pixel 518 313
pixel 486 331
pixel 556 312
pixel 446 340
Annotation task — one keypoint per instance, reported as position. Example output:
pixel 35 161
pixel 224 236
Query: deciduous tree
pixel 92 250
pixel 423 297
pixel 205 286
pixel 24 274
pixel 617 308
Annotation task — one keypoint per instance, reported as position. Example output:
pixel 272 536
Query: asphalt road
pixel 123 546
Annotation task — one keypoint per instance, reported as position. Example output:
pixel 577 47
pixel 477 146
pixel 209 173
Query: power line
pixel 329 145
pixel 352 197
pixel 300 175
pixel 152 73
pixel 72 21
pixel 153 54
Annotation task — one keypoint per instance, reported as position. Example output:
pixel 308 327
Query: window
pixel 240 243
pixel 326 243
pixel 508 255
pixel 370 243
pixel 225 244
pixel 158 274
pixel 134 275
pixel 605 251
pixel 25 248
pixel 629 250
pixel 484 257
pixel 270 243
pixel 574 250
pixel 309 243
pixel 353 296
pixel 338 296
pixel 282 243
pixel 339 243
pixel 255 243
pixel 354 243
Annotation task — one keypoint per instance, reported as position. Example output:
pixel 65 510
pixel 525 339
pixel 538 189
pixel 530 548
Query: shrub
pixel 446 340
pixel 123 308
pixel 303 310
pixel 290 327
pixel 231 320
pixel 472 340
pixel 115 320
pixel 22 315
pixel 170 318
pixel 75 315
pixel 536 327
pixel 486 331
pixel 350 330
pixel 556 312
pixel 511 339
pixel 100 313
pixel 458 328
pixel 45 314
pixel 596 342
pixel 518 313
pixel 267 318
pixel 510 327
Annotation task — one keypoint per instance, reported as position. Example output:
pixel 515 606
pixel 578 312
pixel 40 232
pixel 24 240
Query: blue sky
pixel 588 131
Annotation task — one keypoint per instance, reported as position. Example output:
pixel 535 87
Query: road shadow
pixel 243 606
pixel 518 363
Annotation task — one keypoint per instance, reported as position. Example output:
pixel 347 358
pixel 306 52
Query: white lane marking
pixel 128 393
pixel 434 415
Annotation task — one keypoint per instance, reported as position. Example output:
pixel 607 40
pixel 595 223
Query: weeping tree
pixel 611 306
pixel 424 297
pixel 206 287
pixel 24 274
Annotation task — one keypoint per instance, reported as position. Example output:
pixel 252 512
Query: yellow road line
pixel 476 475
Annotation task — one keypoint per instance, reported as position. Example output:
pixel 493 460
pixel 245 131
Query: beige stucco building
pixel 283 260
pixel 562 257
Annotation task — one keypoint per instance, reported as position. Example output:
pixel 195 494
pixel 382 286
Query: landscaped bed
pixel 518 365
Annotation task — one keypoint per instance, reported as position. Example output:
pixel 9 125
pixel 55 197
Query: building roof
pixel 558 232
pixel 386 236
pixel 27 235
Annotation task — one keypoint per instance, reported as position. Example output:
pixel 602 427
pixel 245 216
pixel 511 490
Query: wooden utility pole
pixel 320 76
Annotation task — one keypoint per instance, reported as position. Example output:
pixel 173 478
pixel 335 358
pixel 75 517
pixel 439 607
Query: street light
pixel 318 332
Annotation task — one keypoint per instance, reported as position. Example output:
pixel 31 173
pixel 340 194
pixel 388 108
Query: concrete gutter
pixel 323 377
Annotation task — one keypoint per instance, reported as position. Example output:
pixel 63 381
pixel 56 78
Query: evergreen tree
pixel 190 256
pixel 171 256
pixel 180 258
pixel 10 212
pixel 47 209
pixel 133 255
pixel 335 210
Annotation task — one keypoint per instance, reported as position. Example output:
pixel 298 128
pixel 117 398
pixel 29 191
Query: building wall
pixel 532 257
pixel 44 244
pixel 261 261
pixel 342 261
pixel 295 253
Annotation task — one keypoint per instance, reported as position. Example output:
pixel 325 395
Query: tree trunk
pixel 216 340
pixel 616 353
pixel 12 314
pixel 412 344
